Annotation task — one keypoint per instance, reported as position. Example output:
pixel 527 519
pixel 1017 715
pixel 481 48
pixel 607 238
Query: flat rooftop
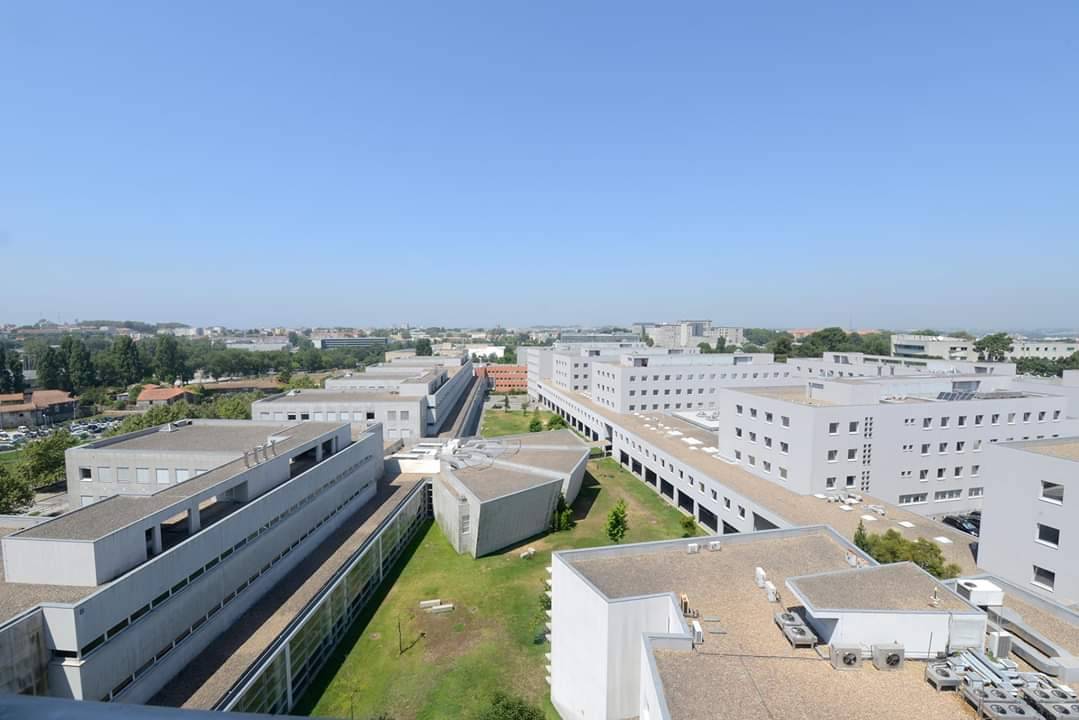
pixel 1062 448
pixel 899 586
pixel 689 446
pixel 746 668
pixel 357 396
pixel 491 468
pixel 104 517
pixel 788 393
pixel 205 436
pixel 16 598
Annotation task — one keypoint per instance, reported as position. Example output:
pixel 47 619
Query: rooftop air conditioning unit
pixel 786 617
pixel 846 657
pixel 1000 644
pixel 714 545
pixel 888 656
pixel 1058 710
pixel 693 548
pixel 982 593
pixel 772 592
pixel 978 693
pixel 698 633
pixel 799 636
pixel 1006 711
pixel 942 676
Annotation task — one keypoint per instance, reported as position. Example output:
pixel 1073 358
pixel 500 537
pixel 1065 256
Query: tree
pixel 704 347
pixel 128 363
pixel 892 547
pixel 993 348
pixel 42 461
pixel 78 368
pixel 423 347
pixel 535 425
pixel 15 493
pixel 168 359
pixel 782 346
pixel 562 517
pixel 617 522
pixel 689 526
pixel 509 707
pixel 18 382
pixel 556 422
pixel 5 375
pixel 50 368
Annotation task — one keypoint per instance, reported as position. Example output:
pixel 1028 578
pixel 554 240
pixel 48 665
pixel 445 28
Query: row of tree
pixel 11 377
pixel 78 364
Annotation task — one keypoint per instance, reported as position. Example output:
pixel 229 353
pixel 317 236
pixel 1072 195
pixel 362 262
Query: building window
pixel 123 474
pixel 784 447
pixel 1043 578
pixel 979 420
pixel 727 503
pixel 1053 492
pixel 944 421
pixel 852 426
pixel 833 428
pixel 852 453
pixel 913 499
pixel 783 473
pixel 927 423
pixel 142 475
pixel 767 417
pixel 945 495
pixel 923 474
pixel 86 474
pixel 829 483
pixel 850 481
pixel 162 475
pixel 784 421
pixel 1048 535
pixel 738 409
pixel 976 492
pixel 741 511
pixel 959 446
pixel 833 455
pixel 962 421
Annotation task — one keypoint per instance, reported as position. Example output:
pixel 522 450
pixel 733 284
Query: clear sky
pixel 795 163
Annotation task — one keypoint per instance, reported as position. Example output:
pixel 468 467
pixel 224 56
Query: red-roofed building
pixel 152 395
pixel 38 407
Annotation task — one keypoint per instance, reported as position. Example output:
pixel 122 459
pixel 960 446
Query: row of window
pixel 765 465
pixel 712 376
pixel 768 417
pixel 784 446
pixel 945 421
pixel 668 406
pixel 142 475
pixel 940 496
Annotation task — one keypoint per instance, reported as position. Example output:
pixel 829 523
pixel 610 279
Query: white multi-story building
pixel 412 397
pixel 112 600
pixel 1030 522
pixel 934 346
pixel 915 441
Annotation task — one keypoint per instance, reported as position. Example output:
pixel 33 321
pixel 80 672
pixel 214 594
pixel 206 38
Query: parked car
pixel 4 447
pixel 961 524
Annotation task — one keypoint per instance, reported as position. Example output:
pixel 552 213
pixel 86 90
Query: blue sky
pixel 771 163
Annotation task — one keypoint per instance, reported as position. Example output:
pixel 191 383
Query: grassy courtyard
pixel 497 421
pixel 453 663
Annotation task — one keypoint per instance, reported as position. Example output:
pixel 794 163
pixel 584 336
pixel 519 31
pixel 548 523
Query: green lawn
pixel 10 457
pixel 454 662
pixel 497 421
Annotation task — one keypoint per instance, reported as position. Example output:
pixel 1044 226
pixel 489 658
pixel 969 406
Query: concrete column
pixel 318 453
pixel 157 539
pixel 194 522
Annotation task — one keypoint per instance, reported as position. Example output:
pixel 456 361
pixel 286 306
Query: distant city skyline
pixel 789 165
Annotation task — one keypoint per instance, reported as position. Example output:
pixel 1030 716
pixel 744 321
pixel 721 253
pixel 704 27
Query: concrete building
pixel 684 630
pixel 1030 522
pixel 915 441
pixel 504 378
pixel 124 593
pixel 592 338
pixel 690 333
pixel 1051 349
pixel 413 397
pixel 34 408
pixel 490 494
pixel 259 344
pixel 1066 386
pixel 935 346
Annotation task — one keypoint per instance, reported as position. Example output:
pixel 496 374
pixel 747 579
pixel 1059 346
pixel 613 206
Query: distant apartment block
pixel 593 338
pixel 331 342
pixel 935 346
pixel 1049 349
pixel 690 333
pixel 259 344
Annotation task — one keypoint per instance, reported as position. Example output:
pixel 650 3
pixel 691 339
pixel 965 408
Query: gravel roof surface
pixel 900 586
